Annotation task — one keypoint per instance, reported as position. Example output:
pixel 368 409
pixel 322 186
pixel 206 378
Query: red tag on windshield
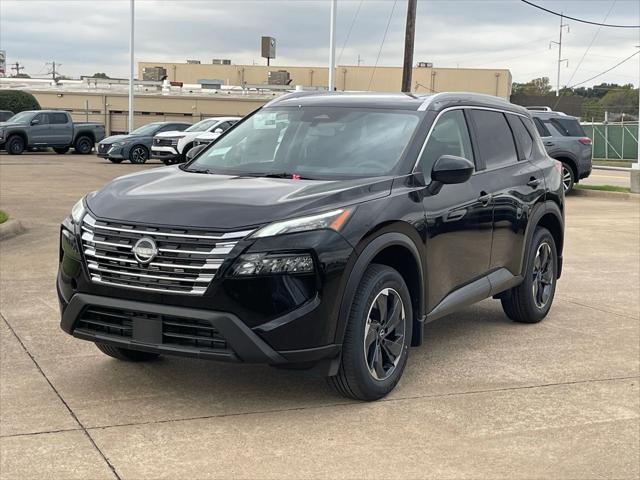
pixel 295 176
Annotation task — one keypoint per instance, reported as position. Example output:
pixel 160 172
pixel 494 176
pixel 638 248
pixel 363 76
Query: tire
pixel 166 161
pixel 568 179
pixel 116 160
pixel 61 150
pixel 357 375
pixel 83 145
pixel 126 354
pixel 530 301
pixel 15 145
pixel 138 154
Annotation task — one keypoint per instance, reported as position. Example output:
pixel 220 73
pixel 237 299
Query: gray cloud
pixel 88 36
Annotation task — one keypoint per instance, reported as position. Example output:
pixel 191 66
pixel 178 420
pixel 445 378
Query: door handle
pixel 485 198
pixel 549 144
pixel 534 182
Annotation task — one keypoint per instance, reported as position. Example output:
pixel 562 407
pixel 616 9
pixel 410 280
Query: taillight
pixel 585 140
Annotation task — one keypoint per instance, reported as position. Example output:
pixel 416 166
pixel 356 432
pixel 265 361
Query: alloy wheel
pixel 139 155
pixel 543 275
pixel 384 334
pixel 567 178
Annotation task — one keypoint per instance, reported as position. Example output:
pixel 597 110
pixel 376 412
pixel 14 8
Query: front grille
pixel 185 333
pixel 164 142
pixel 103 147
pixel 186 262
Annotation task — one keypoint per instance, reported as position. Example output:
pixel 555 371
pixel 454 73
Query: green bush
pixel 17 101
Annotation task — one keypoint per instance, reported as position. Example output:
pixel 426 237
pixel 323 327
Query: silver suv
pixel 565 140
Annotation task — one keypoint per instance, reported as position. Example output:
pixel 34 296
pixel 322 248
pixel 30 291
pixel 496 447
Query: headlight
pixel 333 220
pixel 272 263
pixel 78 211
pixel 118 144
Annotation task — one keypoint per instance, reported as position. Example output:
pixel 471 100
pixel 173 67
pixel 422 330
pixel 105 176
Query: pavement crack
pixel 71 412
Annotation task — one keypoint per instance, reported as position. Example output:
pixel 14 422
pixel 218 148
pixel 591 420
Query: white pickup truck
pixel 172 147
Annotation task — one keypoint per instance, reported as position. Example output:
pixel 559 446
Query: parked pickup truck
pixel 48 128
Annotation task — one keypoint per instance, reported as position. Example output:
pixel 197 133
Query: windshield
pixel 21 117
pixel 312 142
pixel 203 125
pixel 147 129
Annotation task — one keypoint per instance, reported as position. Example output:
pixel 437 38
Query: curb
pixel 615 169
pixel 584 192
pixel 10 228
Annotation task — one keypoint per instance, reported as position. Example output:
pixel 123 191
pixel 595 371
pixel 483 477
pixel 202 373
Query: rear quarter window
pixel 568 127
pixel 495 140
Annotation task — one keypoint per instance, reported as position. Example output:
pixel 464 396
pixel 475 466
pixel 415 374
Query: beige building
pixel 348 77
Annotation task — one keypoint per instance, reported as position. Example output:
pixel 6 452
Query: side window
pixel 522 136
pixel 495 141
pixel 542 130
pixel 450 136
pixel 179 127
pixel 58 118
pixel 222 125
pixel 43 118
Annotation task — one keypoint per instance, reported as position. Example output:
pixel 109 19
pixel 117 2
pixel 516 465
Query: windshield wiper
pixel 293 176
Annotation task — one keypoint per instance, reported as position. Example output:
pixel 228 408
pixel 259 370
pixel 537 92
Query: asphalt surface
pixel 482 398
pixel 607 177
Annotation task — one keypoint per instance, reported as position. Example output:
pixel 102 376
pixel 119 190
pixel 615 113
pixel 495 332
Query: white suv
pixel 172 147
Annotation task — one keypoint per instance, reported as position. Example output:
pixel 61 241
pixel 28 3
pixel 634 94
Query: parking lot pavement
pixel 482 398
pixel 607 177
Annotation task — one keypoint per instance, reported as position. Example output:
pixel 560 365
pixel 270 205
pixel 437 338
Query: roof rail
pixel 288 96
pixel 539 108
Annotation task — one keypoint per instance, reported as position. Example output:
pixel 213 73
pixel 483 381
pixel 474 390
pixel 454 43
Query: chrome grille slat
pixel 186 264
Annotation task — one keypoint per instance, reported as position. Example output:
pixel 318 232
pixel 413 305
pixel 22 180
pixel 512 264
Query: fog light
pixel 268 264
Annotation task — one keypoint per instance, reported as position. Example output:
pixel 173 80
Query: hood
pixel 119 138
pixel 172 134
pixel 10 124
pixel 171 196
pixel 208 136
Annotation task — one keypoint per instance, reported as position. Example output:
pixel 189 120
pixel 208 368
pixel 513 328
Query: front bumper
pixel 111 152
pixel 165 153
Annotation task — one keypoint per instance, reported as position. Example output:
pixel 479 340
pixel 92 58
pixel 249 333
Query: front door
pixel 459 217
pixel 40 130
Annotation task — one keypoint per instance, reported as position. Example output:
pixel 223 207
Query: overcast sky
pixel 88 36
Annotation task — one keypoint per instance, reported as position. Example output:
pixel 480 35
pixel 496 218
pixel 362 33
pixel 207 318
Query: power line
pixel 349 32
pixel 384 37
pixel 606 71
pixel 578 19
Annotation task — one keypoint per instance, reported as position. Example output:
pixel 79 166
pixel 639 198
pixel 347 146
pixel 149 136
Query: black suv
pixel 321 232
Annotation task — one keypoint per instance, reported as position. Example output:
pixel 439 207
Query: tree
pixel 101 75
pixel 537 86
pixel 591 109
pixel 17 101
pixel 621 100
pixel 21 75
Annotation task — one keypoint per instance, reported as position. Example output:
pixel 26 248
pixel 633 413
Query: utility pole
pixel 332 46
pixel 409 38
pixel 16 66
pixel 560 59
pixel 634 174
pixel 360 60
pixel 53 72
pixel 132 8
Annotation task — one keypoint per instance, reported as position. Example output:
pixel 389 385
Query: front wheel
pixel 125 354
pixel 116 160
pixel 530 301
pixel 15 145
pixel 138 154
pixel 376 343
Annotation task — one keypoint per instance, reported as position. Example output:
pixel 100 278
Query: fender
pixel 374 247
pixel 538 211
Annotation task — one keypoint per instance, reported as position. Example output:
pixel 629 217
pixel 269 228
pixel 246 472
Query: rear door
pixel 459 217
pixel 514 182
pixel 61 128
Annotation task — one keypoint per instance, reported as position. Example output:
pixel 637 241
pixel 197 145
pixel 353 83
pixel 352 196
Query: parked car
pixel 37 129
pixel 207 137
pixel 172 147
pixel 322 232
pixel 5 115
pixel 565 140
pixel 135 146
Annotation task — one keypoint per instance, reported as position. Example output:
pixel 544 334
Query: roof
pixel 395 101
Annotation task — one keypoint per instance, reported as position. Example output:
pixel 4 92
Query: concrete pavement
pixel 607 177
pixel 482 398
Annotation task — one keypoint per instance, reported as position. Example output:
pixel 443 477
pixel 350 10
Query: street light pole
pixel 332 46
pixel 634 174
pixel 131 65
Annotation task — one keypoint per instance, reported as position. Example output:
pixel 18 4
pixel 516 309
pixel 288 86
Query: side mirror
pixel 194 151
pixel 218 130
pixel 450 169
pixel 35 121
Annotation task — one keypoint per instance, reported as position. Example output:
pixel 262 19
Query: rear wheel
pixel 15 145
pixel 530 301
pixel 376 343
pixel 567 178
pixel 61 150
pixel 83 145
pixel 126 354
pixel 138 154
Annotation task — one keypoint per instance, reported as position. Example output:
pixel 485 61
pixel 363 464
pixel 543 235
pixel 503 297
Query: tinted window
pixel 314 142
pixel 495 141
pixel 179 127
pixel 450 136
pixel 58 118
pixel 568 127
pixel 43 118
pixel 542 130
pixel 522 136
